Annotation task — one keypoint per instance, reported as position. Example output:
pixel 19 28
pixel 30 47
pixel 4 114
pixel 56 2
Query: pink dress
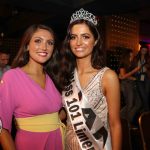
pixel 22 97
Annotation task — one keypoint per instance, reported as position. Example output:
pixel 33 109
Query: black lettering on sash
pixel 86 144
pixel 68 93
pixel 75 115
pixel 68 90
pixel 69 87
pixel 80 130
pixel 83 138
pixel 89 116
pixel 80 95
pixel 74 112
pixel 77 124
pixel 70 102
pixel 74 108
pixel 81 135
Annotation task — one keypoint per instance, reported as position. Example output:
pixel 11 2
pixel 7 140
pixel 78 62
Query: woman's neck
pixel 84 66
pixel 33 69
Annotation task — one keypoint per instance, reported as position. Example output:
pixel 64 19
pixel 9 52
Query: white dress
pixel 94 94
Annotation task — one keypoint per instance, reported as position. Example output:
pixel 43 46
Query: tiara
pixel 85 15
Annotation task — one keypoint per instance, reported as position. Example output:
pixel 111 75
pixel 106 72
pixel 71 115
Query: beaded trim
pixel 85 15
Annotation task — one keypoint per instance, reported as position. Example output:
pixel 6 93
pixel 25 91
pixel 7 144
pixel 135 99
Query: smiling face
pixel 82 41
pixel 41 46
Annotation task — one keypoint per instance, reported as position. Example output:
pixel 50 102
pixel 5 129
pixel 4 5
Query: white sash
pixel 89 129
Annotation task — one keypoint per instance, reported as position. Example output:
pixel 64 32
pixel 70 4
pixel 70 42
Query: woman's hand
pixel 6 140
pixel 62 114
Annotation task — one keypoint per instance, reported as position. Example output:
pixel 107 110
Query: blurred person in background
pixel 127 72
pixel 4 60
pixel 143 76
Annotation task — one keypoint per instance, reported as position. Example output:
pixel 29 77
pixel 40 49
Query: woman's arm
pixel 123 74
pixel 111 88
pixel 62 114
pixel 6 104
pixel 6 140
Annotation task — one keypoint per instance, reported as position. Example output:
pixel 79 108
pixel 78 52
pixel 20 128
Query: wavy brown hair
pixel 22 57
pixel 68 59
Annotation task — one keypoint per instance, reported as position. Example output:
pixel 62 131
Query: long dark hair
pixel 146 56
pixel 22 57
pixel 68 61
pixel 125 59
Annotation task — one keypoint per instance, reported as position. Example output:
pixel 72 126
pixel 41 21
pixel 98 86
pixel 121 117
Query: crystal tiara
pixel 85 15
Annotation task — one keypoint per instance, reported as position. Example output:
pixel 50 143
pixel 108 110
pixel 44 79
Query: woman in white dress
pixel 91 93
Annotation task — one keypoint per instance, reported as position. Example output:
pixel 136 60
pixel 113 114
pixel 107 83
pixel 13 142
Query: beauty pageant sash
pixel 89 128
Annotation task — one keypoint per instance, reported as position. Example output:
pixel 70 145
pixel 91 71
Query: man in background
pixel 4 60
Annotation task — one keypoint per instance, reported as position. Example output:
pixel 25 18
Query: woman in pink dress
pixel 28 93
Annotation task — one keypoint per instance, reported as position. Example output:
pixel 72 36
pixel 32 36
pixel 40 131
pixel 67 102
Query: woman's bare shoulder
pixel 110 74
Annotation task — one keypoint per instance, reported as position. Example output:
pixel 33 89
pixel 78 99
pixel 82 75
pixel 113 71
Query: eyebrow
pixel 42 38
pixel 81 34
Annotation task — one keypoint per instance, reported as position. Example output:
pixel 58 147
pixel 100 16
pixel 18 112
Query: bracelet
pixel 0 126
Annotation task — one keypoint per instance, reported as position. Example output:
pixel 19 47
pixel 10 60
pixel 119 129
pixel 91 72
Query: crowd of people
pixel 46 85
pixel 134 75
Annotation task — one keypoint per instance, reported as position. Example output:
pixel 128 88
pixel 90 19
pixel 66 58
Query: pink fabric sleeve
pixel 6 103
